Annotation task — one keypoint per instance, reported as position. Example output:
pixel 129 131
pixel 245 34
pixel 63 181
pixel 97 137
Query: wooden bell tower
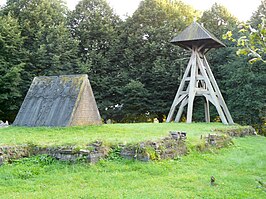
pixel 198 79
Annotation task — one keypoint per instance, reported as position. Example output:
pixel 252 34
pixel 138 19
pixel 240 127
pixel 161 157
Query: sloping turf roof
pixel 65 100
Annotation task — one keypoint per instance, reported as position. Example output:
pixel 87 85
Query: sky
pixel 242 9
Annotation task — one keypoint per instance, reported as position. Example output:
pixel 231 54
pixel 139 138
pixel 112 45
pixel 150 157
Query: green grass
pixel 111 133
pixel 236 170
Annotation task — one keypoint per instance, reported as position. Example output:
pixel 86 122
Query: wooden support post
pixel 223 104
pixel 180 110
pixel 207 110
pixel 180 89
pixel 192 85
pixel 212 92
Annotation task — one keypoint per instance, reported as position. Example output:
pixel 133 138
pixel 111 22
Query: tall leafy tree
pixel 257 16
pixel 218 20
pixel 51 50
pixel 249 77
pixel 95 25
pixel 135 102
pixel 11 65
pixel 242 83
pixel 148 55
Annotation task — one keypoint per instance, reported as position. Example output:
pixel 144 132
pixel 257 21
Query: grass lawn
pixel 108 133
pixel 236 169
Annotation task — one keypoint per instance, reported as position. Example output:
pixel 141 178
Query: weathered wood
pixel 192 85
pixel 212 93
pixel 208 97
pixel 223 104
pixel 180 110
pixel 180 89
pixel 207 110
pixel 201 81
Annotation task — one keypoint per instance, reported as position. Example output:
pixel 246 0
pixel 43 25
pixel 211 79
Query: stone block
pixel 1 160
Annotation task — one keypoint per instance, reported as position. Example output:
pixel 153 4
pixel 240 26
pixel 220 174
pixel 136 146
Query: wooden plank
pixel 209 72
pixel 181 87
pixel 192 85
pixel 212 93
pixel 180 99
pixel 208 97
pixel 207 110
pixel 180 110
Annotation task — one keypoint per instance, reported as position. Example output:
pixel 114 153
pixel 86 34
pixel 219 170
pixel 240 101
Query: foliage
pixel 149 57
pixel 11 65
pixel 218 20
pixel 238 171
pixel 96 27
pixel 257 15
pixel 253 44
pixel 252 36
pixel 133 68
pixel 50 49
pixel 135 103
pixel 249 78
pixel 251 40
pixel 114 154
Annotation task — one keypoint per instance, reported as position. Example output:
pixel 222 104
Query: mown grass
pixel 236 170
pixel 108 133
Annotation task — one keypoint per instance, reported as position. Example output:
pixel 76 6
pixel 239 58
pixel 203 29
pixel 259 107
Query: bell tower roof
pixel 196 35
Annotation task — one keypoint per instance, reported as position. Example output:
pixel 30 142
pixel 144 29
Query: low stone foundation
pixel 8 153
pixel 241 132
pixel 169 147
pixel 223 138
pixel 93 152
pixel 218 141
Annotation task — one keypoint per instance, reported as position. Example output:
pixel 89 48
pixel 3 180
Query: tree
pixel 149 57
pixel 218 20
pixel 135 103
pixel 240 82
pixel 50 48
pixel 11 65
pixel 257 16
pixel 252 36
pixel 95 25
pixel 249 77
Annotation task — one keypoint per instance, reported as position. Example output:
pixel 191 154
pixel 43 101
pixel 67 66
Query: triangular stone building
pixel 198 79
pixel 65 100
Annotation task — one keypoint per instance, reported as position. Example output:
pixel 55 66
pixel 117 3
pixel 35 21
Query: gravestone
pixel 65 100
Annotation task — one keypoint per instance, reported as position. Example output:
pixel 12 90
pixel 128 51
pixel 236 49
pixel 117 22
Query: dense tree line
pixel 133 68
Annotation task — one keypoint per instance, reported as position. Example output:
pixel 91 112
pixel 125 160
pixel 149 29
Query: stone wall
pixel 8 153
pixel 92 153
pixel 169 147
pixel 240 132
